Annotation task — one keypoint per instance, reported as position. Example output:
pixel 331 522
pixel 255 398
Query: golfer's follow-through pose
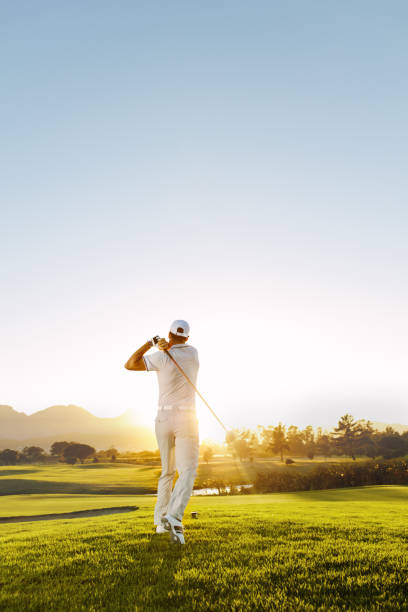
pixel 176 423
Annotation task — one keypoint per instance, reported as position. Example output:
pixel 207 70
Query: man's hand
pixel 162 344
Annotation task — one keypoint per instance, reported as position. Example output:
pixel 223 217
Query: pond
pixel 215 491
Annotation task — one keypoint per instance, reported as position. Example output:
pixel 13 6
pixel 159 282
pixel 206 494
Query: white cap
pixel 180 328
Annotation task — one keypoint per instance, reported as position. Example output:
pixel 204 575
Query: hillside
pixel 396 426
pixel 42 428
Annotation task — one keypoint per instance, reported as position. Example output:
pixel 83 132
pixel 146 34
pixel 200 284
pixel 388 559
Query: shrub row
pixel 335 476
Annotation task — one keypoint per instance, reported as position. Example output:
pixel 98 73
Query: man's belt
pixel 176 407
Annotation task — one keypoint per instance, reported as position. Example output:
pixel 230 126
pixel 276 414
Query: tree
pixel 367 441
pixel 266 439
pixel 391 444
pixel 309 441
pixel 33 454
pixel 241 448
pixel 295 441
pixel 323 443
pixel 243 444
pixel 274 439
pixel 112 453
pixel 8 457
pixel 253 444
pixel 346 435
pixel 57 448
pixel 76 451
pixel 208 453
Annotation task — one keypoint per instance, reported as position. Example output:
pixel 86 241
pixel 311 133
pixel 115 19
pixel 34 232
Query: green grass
pixel 29 505
pixel 88 478
pixel 120 478
pixel 343 549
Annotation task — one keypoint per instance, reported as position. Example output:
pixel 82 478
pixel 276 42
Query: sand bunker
pixel 68 515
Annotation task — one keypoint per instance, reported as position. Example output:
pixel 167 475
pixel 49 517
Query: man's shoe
pixel 175 527
pixel 161 529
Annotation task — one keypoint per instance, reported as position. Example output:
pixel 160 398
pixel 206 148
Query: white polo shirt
pixel 174 389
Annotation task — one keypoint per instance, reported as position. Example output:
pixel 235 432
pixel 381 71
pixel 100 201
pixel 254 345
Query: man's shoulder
pixel 189 351
pixel 192 348
pixel 184 349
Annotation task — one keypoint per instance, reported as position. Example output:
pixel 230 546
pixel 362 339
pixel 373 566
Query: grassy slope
pixel 88 478
pixel 125 478
pixel 29 505
pixel 338 549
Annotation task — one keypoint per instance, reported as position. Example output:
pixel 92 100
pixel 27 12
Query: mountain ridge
pixel 59 422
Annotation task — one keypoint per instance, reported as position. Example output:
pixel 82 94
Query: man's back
pixel 174 389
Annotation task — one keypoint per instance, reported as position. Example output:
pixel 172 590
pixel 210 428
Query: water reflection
pixel 215 491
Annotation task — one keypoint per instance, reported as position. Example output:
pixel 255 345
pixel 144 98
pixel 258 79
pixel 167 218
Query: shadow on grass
pixel 20 486
pixel 102 466
pixel 148 468
pixel 18 471
pixel 68 515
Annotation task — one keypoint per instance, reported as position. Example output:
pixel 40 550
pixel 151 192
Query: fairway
pixel 30 505
pixel 327 550
pixel 130 479
pixel 88 478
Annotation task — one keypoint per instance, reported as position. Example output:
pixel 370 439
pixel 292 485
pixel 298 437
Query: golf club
pixel 197 391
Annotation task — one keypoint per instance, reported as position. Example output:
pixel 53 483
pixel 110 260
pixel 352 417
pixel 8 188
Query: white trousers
pixel 177 437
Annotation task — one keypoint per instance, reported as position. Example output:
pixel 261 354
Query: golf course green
pixel 125 478
pixel 343 549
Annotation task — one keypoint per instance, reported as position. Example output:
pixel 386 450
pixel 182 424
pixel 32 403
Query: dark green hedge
pixel 394 471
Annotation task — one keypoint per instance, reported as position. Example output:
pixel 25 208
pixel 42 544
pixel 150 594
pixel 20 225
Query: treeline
pixel 72 453
pixel 350 438
pixel 65 452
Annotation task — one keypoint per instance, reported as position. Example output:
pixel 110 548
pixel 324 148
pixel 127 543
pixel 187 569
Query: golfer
pixel 176 424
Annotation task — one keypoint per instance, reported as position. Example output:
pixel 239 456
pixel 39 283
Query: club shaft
pixel 196 390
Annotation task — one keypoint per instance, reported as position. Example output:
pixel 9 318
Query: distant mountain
pixel 71 423
pixel 383 426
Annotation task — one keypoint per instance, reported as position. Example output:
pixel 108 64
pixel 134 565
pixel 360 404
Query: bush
pixel 75 451
pixel 9 457
pixel 335 476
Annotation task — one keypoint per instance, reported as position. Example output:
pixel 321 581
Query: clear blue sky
pixel 241 165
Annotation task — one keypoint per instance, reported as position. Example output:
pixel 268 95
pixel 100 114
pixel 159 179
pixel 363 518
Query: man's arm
pixel 136 362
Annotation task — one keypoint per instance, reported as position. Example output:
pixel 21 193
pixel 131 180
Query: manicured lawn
pixel 88 478
pixel 320 550
pixel 28 505
pixel 122 478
